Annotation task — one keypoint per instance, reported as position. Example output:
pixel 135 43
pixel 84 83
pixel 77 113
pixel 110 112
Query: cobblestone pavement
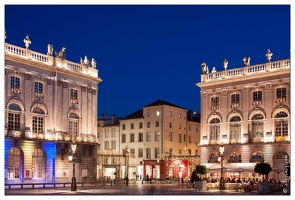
pixel 131 189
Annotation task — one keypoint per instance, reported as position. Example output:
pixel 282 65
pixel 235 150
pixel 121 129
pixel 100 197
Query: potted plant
pixel 264 169
pixel 199 183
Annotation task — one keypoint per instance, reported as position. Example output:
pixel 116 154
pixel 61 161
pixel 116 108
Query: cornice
pixel 243 78
pixel 51 68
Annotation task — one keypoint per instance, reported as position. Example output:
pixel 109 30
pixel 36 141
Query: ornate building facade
pixel 50 102
pixel 247 110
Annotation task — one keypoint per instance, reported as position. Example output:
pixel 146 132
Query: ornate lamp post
pixel 72 159
pixel 221 183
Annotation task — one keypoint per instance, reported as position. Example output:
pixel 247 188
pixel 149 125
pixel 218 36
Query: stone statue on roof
pixel 61 54
pixel 268 55
pixel 27 42
pixel 93 63
pixel 204 68
pixel 246 61
pixel 225 63
pixel 49 49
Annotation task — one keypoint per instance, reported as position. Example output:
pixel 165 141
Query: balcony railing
pixel 246 71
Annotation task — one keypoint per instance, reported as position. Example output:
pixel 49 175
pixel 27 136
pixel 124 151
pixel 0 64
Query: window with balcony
pixel 38 121
pixel 214 103
pixel 281 126
pixel 257 128
pixel 214 131
pixel 15 84
pixel 257 97
pixel 235 100
pixel 235 130
pixel 74 96
pixel 281 94
pixel 38 89
pixel 73 124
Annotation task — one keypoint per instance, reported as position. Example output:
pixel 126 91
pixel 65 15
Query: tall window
pixel 281 123
pixel 13 163
pixel 157 136
pixel 73 124
pixel 281 94
pixel 148 153
pixel 148 137
pixel 170 136
pixel 113 143
pixel 15 84
pixel 257 127
pixel 38 88
pixel 148 114
pixel 38 120
pixel 184 137
pixel 123 138
pixel 140 125
pixel 14 117
pixel 235 100
pixel 131 137
pixel 257 97
pixel 170 124
pixel 179 137
pixel 157 153
pixel 106 133
pixel 214 103
pixel 214 129
pixel 157 123
pixel 106 145
pixel 170 113
pixel 140 137
pixel 74 96
pixel 123 126
pixel 235 129
pixel 131 126
pixel 189 139
pixel 37 163
pixel 113 133
pixel 148 124
pixel 140 153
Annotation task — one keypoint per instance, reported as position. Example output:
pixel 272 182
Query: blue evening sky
pixel 150 52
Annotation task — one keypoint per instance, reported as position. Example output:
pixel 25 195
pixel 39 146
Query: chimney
pixel 113 119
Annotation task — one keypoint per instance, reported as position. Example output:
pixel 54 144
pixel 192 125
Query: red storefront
pixel 158 169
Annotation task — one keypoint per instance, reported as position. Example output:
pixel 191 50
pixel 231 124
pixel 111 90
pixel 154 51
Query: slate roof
pixel 161 102
pixel 134 115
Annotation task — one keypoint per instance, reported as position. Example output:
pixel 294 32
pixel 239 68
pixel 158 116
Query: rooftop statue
pixel 93 63
pixel 49 49
pixel 204 68
pixel 61 54
pixel 246 61
pixel 27 41
pixel 225 63
pixel 268 55
pixel 213 70
pixel 86 61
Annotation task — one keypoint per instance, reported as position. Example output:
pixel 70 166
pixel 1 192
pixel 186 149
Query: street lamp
pixel 72 159
pixel 221 183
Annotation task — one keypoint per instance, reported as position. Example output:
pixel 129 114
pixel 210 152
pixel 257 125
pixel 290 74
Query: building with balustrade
pixel 50 102
pixel 246 109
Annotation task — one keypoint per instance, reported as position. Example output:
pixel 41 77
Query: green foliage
pixel 201 169
pixel 262 168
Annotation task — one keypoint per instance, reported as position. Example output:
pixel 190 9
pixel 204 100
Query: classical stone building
pixel 246 109
pixel 50 102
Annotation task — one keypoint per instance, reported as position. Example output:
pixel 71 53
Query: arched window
pixel 234 157
pixel 213 157
pixel 14 117
pixel 73 124
pixel 257 156
pixel 235 130
pixel 257 128
pixel 38 163
pixel 281 124
pixel 14 161
pixel 214 130
pixel 38 122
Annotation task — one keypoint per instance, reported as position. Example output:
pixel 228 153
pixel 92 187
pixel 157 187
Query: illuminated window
pixel 157 153
pixel 37 163
pixel 214 103
pixel 113 144
pixel 235 129
pixel 281 92
pixel 73 124
pixel 74 96
pixel 281 124
pixel 157 136
pixel 14 117
pixel 257 128
pixel 14 159
pixel 38 120
pixel 257 97
pixel 15 84
pixel 158 113
pixel 148 137
pixel 235 100
pixel 148 153
pixel 214 129
pixel 38 89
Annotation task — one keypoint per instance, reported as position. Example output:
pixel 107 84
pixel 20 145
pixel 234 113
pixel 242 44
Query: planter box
pixel 200 185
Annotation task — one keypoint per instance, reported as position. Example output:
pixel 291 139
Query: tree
pixel 200 169
pixel 264 169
